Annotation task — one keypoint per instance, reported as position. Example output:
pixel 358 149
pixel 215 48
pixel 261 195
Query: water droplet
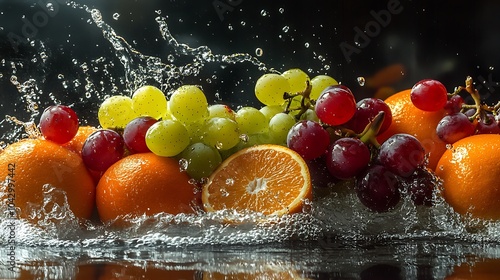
pixel 230 181
pixel 259 52
pixel 361 81
pixel 116 16
pixel 183 164
pixel 244 137
pixel 1 75
pixel 285 28
pixel 60 76
pixel 306 45
pixel 158 12
pixel 50 6
pixel 281 10
pixel 219 145
pixel 491 68
pixel 263 13
pixel 243 23
pixel 230 27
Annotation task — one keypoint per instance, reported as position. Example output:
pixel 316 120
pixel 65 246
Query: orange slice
pixel 269 179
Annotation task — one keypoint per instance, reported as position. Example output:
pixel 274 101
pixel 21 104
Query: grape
pixel 366 110
pixel 336 105
pixel 221 111
pixel 320 83
pixel 188 104
pixel 378 189
pixel 488 125
pixel 454 127
pixel 310 114
pixel 347 157
pixel 221 133
pixel 134 134
pixel 297 79
pixel 270 111
pixel 116 112
pixel 201 160
pixel 195 130
pixel 429 95
pixel 454 104
pixel 167 138
pixel 421 186
pixel 102 149
pixel 309 139
pixel 149 101
pixel 402 154
pixel 270 88
pixel 279 125
pixel 59 123
pixel 251 121
pixel 320 176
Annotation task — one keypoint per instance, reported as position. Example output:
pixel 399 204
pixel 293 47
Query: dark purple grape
pixel 59 123
pixel 309 139
pixel 378 189
pixel 347 157
pixel 421 186
pixel 429 95
pixel 102 148
pixel 320 176
pixel 336 105
pixel 366 110
pixel 134 134
pixel 402 154
pixel 454 104
pixel 488 125
pixel 452 128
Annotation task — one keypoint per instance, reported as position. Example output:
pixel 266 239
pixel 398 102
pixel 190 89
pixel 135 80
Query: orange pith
pixel 270 179
pixel 144 184
pixel 471 176
pixel 38 162
pixel 406 118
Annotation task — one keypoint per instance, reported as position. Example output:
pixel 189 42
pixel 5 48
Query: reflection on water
pixel 337 238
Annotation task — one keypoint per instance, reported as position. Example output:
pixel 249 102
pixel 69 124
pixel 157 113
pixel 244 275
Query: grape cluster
pixel 336 134
pixel 461 119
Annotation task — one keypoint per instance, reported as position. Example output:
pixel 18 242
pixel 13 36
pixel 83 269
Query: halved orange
pixel 269 179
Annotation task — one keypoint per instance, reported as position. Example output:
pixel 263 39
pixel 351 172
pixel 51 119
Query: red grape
pixel 102 148
pixel 59 123
pixel 429 95
pixel 134 134
pixel 366 110
pixel 402 154
pixel 336 105
pixel 320 176
pixel 347 157
pixel 454 127
pixel 421 186
pixel 488 125
pixel 378 189
pixel 309 139
pixel 454 104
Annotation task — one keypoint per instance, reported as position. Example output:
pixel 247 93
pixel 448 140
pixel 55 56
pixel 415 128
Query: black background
pixel 445 40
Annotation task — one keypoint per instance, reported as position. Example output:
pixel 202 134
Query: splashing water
pixel 334 215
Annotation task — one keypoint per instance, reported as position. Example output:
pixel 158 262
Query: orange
pixel 76 143
pixel 488 269
pixel 144 184
pixel 471 176
pixel 406 118
pixel 270 179
pixel 30 164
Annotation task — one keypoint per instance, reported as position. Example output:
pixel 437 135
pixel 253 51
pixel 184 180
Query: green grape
pixel 251 121
pixel 221 111
pixel 279 126
pixel 255 139
pixel 188 104
pixel 270 111
pixel 167 138
pixel 319 83
pixel 310 115
pixel 201 160
pixel 221 133
pixel 195 130
pixel 297 79
pixel 149 101
pixel 270 88
pixel 116 112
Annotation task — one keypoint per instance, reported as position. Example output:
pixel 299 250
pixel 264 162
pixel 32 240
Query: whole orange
pixel 29 165
pixel 144 184
pixel 406 118
pixel 471 176
pixel 76 143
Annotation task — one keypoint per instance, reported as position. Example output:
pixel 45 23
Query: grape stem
pixel 370 132
pixel 305 101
